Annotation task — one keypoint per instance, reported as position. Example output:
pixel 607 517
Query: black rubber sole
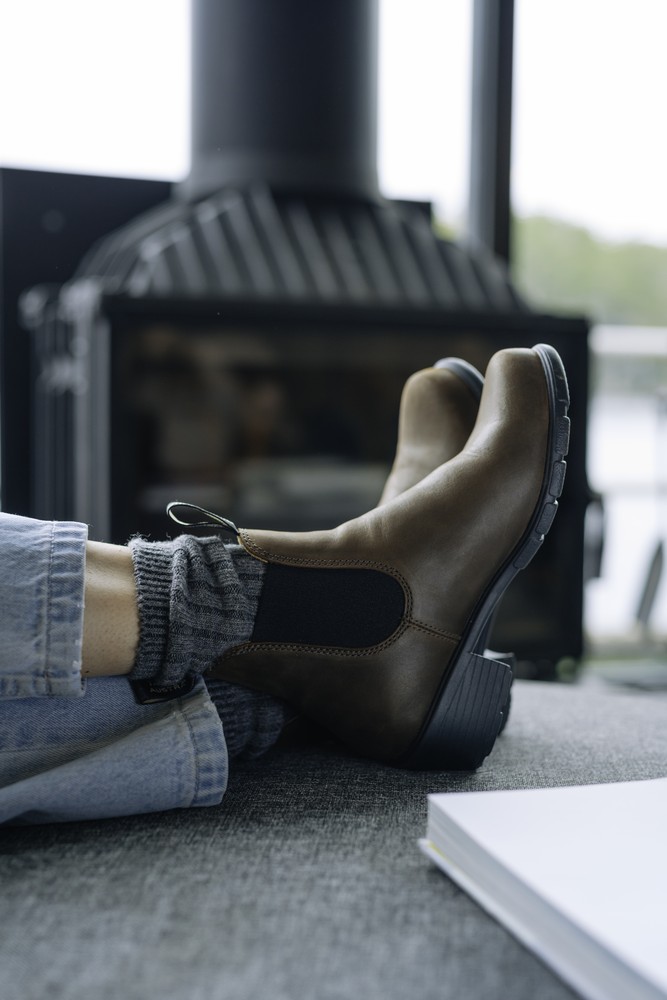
pixel 472 705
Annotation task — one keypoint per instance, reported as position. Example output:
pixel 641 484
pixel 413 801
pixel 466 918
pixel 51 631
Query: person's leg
pixel 41 607
pixel 197 597
pixel 111 614
pixel 112 583
pixel 106 753
pixel 77 749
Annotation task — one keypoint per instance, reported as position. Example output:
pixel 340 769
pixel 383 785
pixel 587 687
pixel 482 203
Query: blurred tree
pixel 563 268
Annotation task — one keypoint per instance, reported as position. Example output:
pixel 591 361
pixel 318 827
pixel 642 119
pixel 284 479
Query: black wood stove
pixel 243 346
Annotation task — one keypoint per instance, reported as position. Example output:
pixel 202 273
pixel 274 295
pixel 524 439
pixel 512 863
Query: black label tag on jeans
pixel 147 693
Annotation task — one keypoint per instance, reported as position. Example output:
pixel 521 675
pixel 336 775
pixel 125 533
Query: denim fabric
pixel 41 606
pixel 104 755
pixel 97 754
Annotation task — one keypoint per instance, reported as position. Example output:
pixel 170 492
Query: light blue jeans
pixel 72 749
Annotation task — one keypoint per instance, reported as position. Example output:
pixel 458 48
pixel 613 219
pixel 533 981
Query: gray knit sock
pixel 197 597
pixel 252 721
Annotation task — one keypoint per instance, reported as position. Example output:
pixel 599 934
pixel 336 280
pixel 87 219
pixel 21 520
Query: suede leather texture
pixel 445 540
pixel 437 415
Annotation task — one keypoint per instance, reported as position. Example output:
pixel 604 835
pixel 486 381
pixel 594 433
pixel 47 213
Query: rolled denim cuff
pixel 42 576
pixel 104 755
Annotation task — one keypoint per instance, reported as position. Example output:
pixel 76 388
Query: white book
pixel 579 875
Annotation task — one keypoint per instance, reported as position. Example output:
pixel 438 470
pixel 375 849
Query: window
pixel 424 104
pixel 84 93
pixel 590 236
pixel 90 96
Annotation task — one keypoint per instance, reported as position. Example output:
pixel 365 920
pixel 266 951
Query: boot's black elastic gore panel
pixel 348 608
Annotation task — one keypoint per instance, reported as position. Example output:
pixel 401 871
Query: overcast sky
pixel 104 89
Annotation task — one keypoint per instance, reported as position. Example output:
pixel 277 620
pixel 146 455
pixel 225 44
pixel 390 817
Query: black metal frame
pixel 489 218
pixel 48 220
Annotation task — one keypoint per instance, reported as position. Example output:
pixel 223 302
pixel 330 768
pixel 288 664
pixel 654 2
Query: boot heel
pixel 467 718
pixel 510 660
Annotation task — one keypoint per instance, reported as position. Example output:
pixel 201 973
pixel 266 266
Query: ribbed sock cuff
pixel 197 598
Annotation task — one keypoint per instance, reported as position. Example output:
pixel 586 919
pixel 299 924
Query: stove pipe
pixel 284 93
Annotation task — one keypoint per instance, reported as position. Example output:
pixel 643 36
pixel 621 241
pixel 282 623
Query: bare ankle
pixel 111 617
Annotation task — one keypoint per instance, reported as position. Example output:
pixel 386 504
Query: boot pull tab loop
pixel 209 517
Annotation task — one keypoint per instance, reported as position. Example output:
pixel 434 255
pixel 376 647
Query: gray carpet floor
pixel 306 882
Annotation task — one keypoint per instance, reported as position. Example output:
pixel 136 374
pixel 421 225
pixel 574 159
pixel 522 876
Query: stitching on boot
pixel 432 630
pixel 294 647
pixel 283 647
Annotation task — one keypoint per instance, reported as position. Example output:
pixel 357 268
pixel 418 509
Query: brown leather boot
pixel 375 629
pixel 438 411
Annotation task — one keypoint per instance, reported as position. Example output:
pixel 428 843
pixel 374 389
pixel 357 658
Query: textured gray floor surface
pixel 305 883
